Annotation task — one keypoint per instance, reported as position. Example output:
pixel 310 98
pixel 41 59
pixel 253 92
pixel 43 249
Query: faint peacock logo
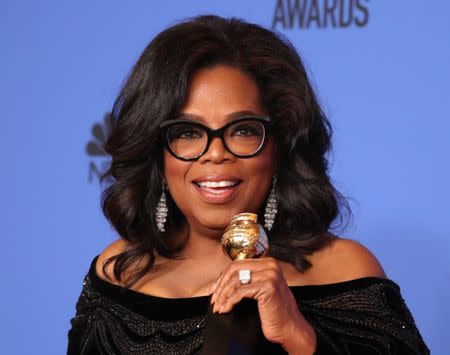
pixel 99 159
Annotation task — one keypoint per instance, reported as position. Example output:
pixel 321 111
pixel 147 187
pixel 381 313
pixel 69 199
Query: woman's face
pixel 216 96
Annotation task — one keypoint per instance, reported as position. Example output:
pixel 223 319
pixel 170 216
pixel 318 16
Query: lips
pixel 217 189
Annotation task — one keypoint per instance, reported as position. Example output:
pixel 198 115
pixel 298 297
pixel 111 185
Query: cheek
pixel 261 167
pixel 175 171
pixel 260 172
pixel 264 165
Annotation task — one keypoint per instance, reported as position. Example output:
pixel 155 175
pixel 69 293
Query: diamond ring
pixel 244 276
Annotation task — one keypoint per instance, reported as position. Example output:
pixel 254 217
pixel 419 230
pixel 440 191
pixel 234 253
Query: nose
pixel 216 153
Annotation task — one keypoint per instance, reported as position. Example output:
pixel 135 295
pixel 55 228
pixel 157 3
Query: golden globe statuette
pixel 245 238
pixel 239 332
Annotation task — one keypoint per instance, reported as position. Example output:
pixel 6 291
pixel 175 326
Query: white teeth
pixel 216 183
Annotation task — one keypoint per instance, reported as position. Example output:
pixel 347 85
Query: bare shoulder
pixel 111 250
pixel 344 260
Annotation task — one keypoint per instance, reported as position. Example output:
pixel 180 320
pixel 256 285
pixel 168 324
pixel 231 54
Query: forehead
pixel 219 94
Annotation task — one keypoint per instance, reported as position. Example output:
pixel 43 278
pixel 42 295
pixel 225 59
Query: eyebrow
pixel 229 117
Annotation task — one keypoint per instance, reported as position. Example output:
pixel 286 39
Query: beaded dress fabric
pixel 364 316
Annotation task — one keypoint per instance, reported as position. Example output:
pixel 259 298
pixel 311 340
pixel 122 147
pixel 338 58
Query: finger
pixel 214 286
pixel 254 290
pixel 263 289
pixel 250 264
pixel 234 283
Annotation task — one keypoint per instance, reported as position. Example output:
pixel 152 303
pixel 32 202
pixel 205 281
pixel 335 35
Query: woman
pixel 216 118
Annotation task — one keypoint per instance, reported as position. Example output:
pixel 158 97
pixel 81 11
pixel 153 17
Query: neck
pixel 204 245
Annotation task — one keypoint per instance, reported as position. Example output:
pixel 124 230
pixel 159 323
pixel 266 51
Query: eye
pixel 247 129
pixel 184 132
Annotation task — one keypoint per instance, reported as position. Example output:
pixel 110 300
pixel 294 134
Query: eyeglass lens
pixel 243 138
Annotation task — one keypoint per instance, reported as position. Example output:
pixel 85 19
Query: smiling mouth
pixel 217 192
pixel 217 184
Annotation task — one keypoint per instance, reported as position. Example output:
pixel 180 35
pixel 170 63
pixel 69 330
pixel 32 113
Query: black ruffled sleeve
pixel 111 320
pixel 364 316
pixel 81 336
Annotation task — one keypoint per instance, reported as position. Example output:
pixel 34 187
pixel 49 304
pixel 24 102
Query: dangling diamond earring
pixel 161 211
pixel 271 207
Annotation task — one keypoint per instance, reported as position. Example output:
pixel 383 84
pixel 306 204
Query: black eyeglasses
pixel 188 140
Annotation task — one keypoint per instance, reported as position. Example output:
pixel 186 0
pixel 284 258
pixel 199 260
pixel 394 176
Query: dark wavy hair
pixel 156 90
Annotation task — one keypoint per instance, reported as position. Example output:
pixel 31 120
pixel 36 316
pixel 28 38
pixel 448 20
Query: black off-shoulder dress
pixel 363 316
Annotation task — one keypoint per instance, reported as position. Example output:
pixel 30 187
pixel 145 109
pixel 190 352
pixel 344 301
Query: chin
pixel 216 219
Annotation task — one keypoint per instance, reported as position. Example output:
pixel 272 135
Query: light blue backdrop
pixel 384 86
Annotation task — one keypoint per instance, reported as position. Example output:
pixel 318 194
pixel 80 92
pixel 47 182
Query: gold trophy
pixel 244 237
pixel 240 330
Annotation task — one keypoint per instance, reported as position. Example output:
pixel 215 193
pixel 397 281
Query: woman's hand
pixel 281 319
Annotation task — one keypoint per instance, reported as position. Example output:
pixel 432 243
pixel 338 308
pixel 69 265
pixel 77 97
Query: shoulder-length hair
pixel 156 89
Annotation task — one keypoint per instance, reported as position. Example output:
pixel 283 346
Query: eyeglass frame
pixel 219 133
